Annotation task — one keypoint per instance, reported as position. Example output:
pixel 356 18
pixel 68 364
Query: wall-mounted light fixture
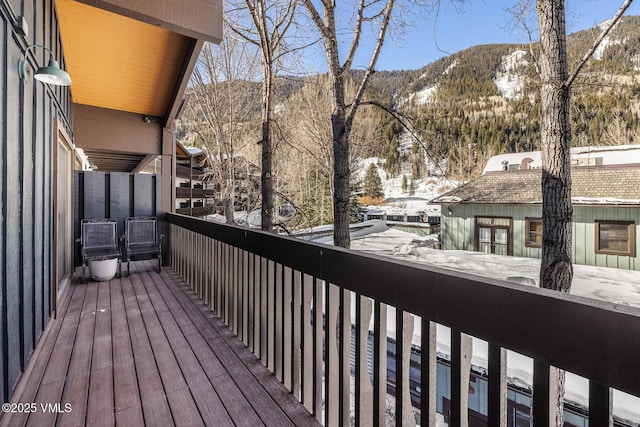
pixel 151 119
pixel 51 74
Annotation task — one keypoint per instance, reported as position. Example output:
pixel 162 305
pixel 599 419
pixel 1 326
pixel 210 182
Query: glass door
pixel 493 235
pixel 63 210
pixel 501 241
pixel 485 240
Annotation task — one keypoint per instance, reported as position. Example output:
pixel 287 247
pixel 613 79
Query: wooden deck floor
pixel 144 350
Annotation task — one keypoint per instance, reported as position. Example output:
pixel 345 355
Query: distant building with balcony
pixel 193 195
pixel 501 211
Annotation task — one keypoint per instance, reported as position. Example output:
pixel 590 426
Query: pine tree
pixel 373 183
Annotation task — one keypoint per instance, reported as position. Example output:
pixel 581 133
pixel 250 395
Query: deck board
pixel 262 403
pixel 144 350
pixel 100 408
pixel 102 349
pixel 76 388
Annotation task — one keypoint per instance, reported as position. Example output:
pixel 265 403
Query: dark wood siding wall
pixel 28 113
pixel 114 195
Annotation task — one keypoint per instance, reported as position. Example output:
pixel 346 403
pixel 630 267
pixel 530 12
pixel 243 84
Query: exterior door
pixel 493 235
pixel 63 211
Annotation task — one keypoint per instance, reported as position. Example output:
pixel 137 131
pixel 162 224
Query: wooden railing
pixel 296 305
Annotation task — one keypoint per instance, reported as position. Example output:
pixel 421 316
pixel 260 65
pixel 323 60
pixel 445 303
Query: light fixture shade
pixel 52 74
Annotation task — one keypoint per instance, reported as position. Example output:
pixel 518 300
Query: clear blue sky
pixel 481 22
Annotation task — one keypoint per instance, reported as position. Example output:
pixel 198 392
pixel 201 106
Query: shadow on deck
pixel 145 350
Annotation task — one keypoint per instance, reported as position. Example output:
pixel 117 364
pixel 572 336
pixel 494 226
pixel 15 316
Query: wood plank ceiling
pixel 122 64
pixel 117 62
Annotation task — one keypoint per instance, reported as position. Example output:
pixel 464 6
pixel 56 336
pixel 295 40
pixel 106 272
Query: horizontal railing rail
pixel 296 304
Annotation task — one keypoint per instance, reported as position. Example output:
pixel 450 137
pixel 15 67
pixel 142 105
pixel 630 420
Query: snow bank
pixel 608 284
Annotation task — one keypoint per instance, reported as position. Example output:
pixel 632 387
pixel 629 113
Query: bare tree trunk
pixel 267 182
pixel 556 270
pixel 271 21
pixel 342 115
pixel 228 206
pixel 341 177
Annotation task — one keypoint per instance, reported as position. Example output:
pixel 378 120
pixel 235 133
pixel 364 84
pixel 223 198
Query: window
pixel 491 220
pixel 615 238
pixel 493 235
pixel 533 230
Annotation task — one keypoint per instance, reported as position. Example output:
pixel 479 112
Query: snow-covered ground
pixel 399 202
pixel 609 284
pixel 613 285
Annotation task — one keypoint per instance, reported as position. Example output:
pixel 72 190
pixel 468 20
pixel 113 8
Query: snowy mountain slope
pixel 509 80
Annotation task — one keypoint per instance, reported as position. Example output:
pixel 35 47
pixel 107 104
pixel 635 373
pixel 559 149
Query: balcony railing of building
pixel 189 193
pixel 296 304
pixel 194 210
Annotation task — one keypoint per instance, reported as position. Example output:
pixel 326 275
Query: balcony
pixel 144 350
pixel 189 173
pixel 319 320
pixel 323 320
pixel 197 210
pixel 193 193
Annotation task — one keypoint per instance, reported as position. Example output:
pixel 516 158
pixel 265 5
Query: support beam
pixel 198 19
pixel 104 129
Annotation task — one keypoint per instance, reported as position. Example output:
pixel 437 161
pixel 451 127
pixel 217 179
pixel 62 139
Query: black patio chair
pixel 99 241
pixel 142 240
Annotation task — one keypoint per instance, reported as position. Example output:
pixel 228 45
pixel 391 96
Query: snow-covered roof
pixel 194 151
pixel 601 155
pixel 601 185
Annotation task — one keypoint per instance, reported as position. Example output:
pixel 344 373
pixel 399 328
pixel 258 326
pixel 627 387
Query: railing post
pixel 363 386
pixel 331 357
pixel 400 368
pixel 252 307
pixel 545 390
pixel 318 340
pixel 297 335
pixel 288 304
pixel 428 373
pixel 278 325
pixel 264 311
pixel 402 376
pixel 600 405
pixel 497 386
pixel 245 299
pixel 461 350
pixel 380 364
pixel 307 340
pixel 345 355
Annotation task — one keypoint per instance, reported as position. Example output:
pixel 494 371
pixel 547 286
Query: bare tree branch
pixel 605 31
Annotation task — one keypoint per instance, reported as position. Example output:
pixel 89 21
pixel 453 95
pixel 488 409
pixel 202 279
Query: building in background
pixel 501 212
